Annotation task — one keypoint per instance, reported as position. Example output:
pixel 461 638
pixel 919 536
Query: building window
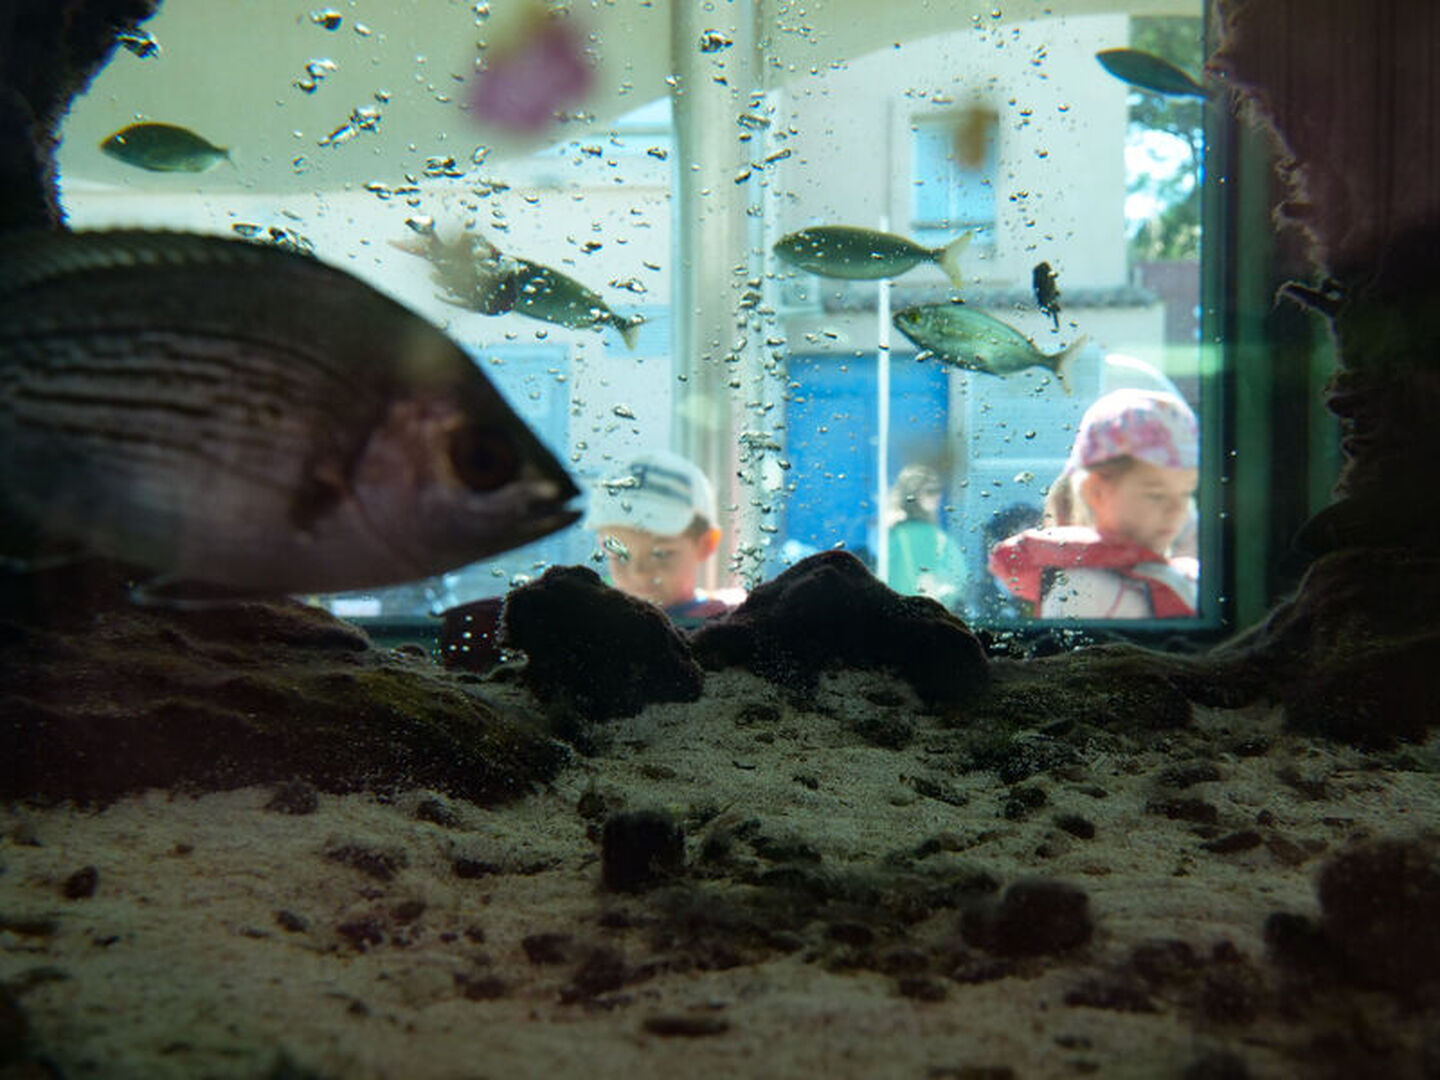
pixel 953 164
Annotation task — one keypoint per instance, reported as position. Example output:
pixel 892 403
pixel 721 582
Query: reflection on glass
pixel 610 261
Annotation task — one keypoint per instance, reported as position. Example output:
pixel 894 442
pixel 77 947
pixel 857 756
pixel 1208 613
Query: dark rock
pixel 922 988
pixel 1352 655
pixel 297 797
pixel 378 864
pixel 408 910
pixel 887 730
pixel 593 648
pixel 902 960
pixel 1020 801
pixel 1251 746
pixel 81 885
pixel 14 1028
pixel 292 923
pixel 364 932
pixel 474 868
pixel 1196 810
pixel 785 849
pixel 1296 941
pixel 1231 843
pixel 686 1025
pixel 1217 1065
pixel 1077 826
pixel 829 611
pixel 603 971
pixel 1113 992
pixel 437 812
pixel 1193 772
pixel 1164 961
pixel 640 848
pixel 103 697
pixel 1380 911
pixel 851 933
pixel 1231 994
pixel 1033 918
pixel 550 948
pixel 481 987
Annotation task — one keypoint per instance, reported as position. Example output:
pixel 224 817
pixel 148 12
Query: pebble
pixel 640 848
pixel 295 797
pixel 685 1026
pixel 1380 908
pixel 1037 917
pixel 81 885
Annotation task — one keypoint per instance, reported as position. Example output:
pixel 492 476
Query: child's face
pixel 1146 503
pixel 661 569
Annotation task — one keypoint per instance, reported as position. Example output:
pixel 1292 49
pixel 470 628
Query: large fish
pixel 475 275
pixel 970 339
pixel 242 419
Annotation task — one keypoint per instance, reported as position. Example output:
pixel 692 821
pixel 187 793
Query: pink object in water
pixel 523 86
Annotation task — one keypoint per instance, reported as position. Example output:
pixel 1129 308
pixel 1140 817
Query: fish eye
pixel 484 460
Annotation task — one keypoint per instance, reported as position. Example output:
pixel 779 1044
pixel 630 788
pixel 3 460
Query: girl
pixel 1113 517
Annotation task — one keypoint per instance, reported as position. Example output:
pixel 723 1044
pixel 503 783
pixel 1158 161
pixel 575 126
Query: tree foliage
pixel 1174 233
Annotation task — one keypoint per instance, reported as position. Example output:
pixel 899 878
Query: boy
pixel 655 521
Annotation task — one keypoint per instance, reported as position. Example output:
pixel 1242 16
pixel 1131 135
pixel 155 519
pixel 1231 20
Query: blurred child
pixel 656 525
pixel 922 559
pixel 1113 516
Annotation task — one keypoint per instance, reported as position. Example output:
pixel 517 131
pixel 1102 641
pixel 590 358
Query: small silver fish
pixel 248 420
pixel 163 148
pixel 970 339
pixel 475 275
pixel 845 251
pixel 1146 71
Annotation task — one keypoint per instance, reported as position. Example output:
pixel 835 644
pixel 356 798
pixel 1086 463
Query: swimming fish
pixel 1047 292
pixel 239 419
pixel 844 251
pixel 1145 71
pixel 970 339
pixel 475 275
pixel 163 148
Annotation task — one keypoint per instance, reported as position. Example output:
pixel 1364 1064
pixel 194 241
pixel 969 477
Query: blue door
pixel 832 422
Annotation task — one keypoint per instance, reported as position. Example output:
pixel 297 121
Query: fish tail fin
pixel 629 329
pixel 1063 358
pixel 410 247
pixel 949 258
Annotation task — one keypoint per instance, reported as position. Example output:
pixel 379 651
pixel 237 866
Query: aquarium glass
pixel 655 153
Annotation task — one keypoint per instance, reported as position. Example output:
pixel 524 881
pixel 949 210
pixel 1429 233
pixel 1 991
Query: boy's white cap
pixel 657 492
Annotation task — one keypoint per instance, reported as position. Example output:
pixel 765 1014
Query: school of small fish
pixel 242 420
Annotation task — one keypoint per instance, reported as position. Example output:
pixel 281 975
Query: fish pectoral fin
pixel 326 485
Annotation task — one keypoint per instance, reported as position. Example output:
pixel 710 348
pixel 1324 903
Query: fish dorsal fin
pixel 38 257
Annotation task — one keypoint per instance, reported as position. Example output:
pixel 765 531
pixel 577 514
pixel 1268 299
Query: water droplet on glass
pixel 327 19
pixel 624 412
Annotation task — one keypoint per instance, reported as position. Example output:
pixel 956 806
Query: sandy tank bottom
pixel 824 924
